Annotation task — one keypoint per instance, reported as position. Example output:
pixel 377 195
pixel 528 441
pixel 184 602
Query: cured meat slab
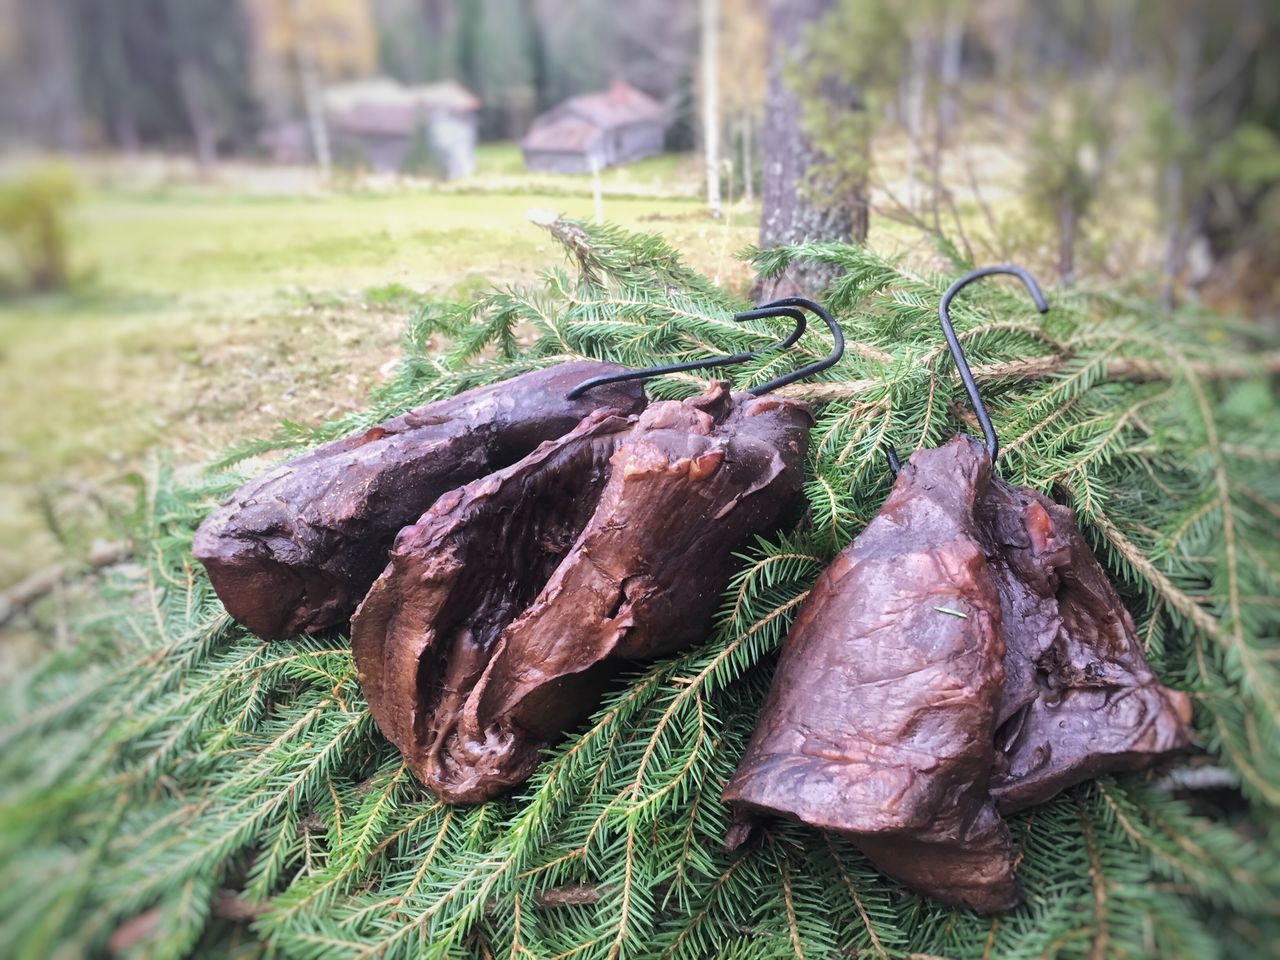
pixel 296 548
pixel 964 657
pixel 508 607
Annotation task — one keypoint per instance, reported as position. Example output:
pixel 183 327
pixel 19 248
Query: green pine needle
pixel 187 789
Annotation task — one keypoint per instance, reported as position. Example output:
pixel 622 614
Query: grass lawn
pixel 212 312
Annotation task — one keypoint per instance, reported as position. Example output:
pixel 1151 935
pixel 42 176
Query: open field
pixel 210 313
pixel 212 310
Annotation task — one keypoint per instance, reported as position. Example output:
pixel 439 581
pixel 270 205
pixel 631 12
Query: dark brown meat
pixel 905 726
pixel 296 548
pixel 510 604
pixel 1084 701
pixel 880 719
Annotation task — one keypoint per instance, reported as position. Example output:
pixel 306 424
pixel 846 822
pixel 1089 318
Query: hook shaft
pixel 957 353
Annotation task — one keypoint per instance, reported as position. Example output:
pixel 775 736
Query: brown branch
pixel 1142 370
pixel 575 895
pixel 1131 369
pixel 1204 621
pixel 25 593
pixel 1101 933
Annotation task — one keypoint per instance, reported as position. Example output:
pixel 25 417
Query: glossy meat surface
pixel 879 721
pixel 964 657
pixel 296 548
pixel 1079 699
pixel 506 609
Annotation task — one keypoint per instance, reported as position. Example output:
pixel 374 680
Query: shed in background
pixel 389 126
pixel 596 130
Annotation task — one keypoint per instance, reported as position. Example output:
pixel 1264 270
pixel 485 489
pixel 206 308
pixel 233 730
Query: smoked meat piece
pixel 965 656
pixel 880 720
pixel 506 609
pixel 296 548
pixel 1079 698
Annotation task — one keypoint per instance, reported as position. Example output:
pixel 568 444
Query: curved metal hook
pixel 785 307
pixel 778 308
pixel 957 354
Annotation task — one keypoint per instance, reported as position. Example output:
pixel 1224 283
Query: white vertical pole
pixel 711 101
pixel 597 194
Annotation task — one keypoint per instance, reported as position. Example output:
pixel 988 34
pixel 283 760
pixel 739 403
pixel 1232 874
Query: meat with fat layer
pixel 296 548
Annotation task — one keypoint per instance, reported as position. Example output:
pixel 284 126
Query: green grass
pixel 666 174
pixel 211 314
pixel 215 309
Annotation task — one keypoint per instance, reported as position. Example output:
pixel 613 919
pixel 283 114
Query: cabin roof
pixel 575 124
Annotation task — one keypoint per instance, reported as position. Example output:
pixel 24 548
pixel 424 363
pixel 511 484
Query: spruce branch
pixel 173 778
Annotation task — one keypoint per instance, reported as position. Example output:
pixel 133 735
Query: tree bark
pixel 119 82
pixel 948 109
pixel 314 105
pixel 312 94
pixel 710 16
pixel 791 212
pixel 195 100
pixel 1187 46
pixel 949 68
pixel 55 94
pixel 748 169
pixel 913 112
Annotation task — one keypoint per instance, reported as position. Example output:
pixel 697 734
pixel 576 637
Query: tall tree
pixel 743 52
pixel 188 49
pixel 300 44
pixel 795 206
pixel 45 98
pixel 1241 193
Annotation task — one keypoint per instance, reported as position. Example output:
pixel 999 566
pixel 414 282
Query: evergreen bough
pixel 175 786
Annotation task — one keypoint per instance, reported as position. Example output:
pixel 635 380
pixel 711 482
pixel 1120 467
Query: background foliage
pixel 174 785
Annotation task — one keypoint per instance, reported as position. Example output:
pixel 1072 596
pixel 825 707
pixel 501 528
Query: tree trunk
pixel 914 111
pixel 710 15
pixel 1067 228
pixel 1177 231
pixel 748 168
pixel 312 94
pixel 314 105
pixel 1003 39
pixel 949 67
pixel 791 212
pixel 1243 257
pixel 118 79
pixel 948 110
pixel 54 97
pixel 195 100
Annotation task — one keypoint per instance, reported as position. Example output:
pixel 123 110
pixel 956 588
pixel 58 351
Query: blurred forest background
pixel 1091 103
pixel 169 280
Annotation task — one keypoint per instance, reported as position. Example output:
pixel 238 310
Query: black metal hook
pixel 957 354
pixel 786 307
